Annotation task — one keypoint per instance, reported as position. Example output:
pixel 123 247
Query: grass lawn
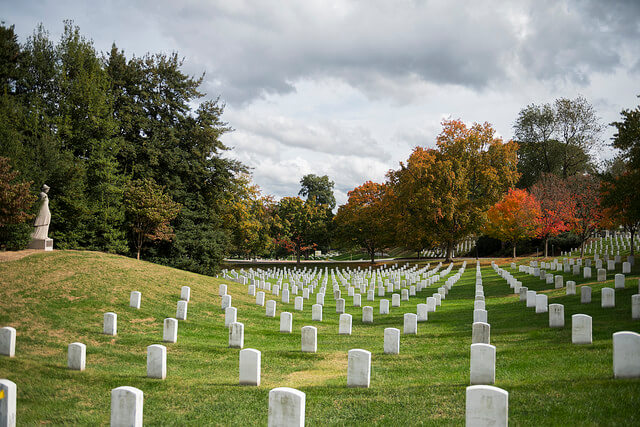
pixel 54 299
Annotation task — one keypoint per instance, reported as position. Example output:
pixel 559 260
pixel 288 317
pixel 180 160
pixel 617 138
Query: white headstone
pixel 309 338
pixel 556 316
pixel 8 403
pixel 357 298
pixel 480 333
pixel 422 312
pixel 367 314
pixel 602 275
pixel 391 341
pixel 222 290
pixel 170 330
pixel 585 294
pixel 286 322
pixel 110 326
pixel 230 316
pixel 359 368
pixel 225 302
pixel 236 335
pixel 626 267
pixel 384 306
pixel 316 312
pixel 635 306
pixel 619 281
pixel 344 327
pixel 531 299
pixel 581 329
pixel 126 407
pixel 541 303
pixel 487 406
pixel 608 298
pixel 185 293
pixel 626 354
pixel 479 305
pixel 157 361
pixel 339 306
pixel 558 281
pixel 395 300
pixel 76 356
pixel 260 298
pixel 250 367
pixel 8 341
pixel 571 287
pixel 286 407
pixel 480 316
pixel 298 303
pixel 270 310
pixel 181 311
pixel 431 304
pixel 285 296
pixel 410 324
pixel 134 299
pixel 483 364
pixel 587 272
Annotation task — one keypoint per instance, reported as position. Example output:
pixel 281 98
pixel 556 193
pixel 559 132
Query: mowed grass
pixel 53 299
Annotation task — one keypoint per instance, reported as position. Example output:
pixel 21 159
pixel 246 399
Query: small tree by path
pixel 513 218
pixel 149 211
pixel 585 193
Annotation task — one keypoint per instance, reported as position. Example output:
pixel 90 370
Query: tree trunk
pixel 582 248
pixel 297 255
pixel 372 252
pixel 139 254
pixel 633 232
pixel 448 252
pixel 546 247
pixel 514 250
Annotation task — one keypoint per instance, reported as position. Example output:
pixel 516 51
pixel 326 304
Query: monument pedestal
pixel 41 244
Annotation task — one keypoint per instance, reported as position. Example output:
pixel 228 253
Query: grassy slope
pixel 57 298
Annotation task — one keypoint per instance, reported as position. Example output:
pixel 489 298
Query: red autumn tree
pixel 513 218
pixel 587 215
pixel 556 207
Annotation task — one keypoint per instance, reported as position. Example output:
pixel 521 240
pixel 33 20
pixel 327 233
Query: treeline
pixel 546 187
pixel 96 127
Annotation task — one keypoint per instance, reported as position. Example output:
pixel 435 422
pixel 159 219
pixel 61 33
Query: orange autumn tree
pixel 364 220
pixel 443 194
pixel 513 218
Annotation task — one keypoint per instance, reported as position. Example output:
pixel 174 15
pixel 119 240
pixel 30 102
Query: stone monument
pixel 40 236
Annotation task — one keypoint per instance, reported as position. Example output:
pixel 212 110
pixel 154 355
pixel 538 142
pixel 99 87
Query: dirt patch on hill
pixel 16 255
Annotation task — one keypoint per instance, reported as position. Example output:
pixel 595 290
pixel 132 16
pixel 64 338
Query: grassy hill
pixel 53 299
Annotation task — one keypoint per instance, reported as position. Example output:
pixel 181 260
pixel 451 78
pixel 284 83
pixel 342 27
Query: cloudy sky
pixel 348 88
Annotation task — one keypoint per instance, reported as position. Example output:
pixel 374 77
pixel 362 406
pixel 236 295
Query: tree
pixel 15 198
pixel 319 189
pixel 556 207
pixel 627 137
pixel 150 211
pixel 363 220
pixel 249 216
pixel 451 188
pixel 587 215
pixel 621 202
pixel 556 138
pixel 513 218
pixel 15 205
pixel 298 222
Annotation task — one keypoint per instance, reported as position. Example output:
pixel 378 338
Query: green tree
pixel 556 138
pixel 150 211
pixel 319 189
pixel 298 221
pixel 627 136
